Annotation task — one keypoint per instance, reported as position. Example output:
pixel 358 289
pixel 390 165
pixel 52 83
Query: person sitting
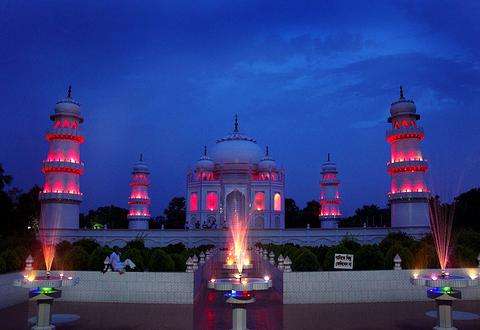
pixel 116 264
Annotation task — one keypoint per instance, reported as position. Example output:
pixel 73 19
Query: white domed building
pixel 237 176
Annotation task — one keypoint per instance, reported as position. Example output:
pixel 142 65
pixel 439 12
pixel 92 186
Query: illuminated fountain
pixel 443 287
pixel 239 288
pixel 44 288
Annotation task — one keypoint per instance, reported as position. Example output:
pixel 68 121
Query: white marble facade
pixel 235 176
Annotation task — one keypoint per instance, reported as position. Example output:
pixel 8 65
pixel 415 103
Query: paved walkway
pixel 107 316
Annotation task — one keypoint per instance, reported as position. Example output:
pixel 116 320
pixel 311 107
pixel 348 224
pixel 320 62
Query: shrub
pixel 465 256
pixel 305 261
pixel 136 256
pixel 13 262
pixel 174 248
pixel 369 257
pixel 398 239
pixel 98 256
pixel 88 245
pixel 76 259
pixel 137 243
pixel 160 261
pixel 405 255
pixel 179 260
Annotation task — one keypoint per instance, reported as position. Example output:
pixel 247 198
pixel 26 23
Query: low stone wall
pixel 131 287
pixel 358 287
pixel 11 295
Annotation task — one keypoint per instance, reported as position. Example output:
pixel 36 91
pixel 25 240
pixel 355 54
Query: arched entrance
pixel 235 203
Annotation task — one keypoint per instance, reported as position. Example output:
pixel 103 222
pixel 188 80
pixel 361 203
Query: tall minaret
pixel 408 192
pixel 139 201
pixel 61 196
pixel 329 196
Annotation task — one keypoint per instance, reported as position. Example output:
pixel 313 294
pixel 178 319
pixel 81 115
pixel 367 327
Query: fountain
pixel 44 288
pixel 443 287
pixel 239 287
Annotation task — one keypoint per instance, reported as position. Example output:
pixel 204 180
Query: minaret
pixel 139 201
pixel 329 196
pixel 408 192
pixel 60 197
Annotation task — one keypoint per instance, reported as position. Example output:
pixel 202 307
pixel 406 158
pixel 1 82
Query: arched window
pixel 212 201
pixel 259 202
pixel 193 202
pixel 277 202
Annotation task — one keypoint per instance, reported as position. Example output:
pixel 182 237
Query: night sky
pixel 306 78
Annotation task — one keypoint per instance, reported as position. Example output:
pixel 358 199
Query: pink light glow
pixel 259 202
pixel 212 201
pixel 134 213
pixel 193 203
pixel 239 231
pixel 277 202
pixel 441 219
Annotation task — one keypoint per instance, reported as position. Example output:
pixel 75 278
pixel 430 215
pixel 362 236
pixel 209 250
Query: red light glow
pixel 212 201
pixel 193 203
pixel 259 202
pixel 277 202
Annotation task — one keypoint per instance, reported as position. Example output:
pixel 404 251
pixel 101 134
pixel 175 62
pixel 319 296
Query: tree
pixel 175 213
pixel 5 179
pixel 310 214
pixel 113 216
pixel 292 213
pixel 370 215
pixel 467 210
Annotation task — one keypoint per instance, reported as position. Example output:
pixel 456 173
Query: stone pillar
pixel 281 265
pixel 271 258
pixel 398 263
pixel 106 262
pixel 29 263
pixel 265 255
pixel 239 318
pixel 43 316
pixel 444 315
pixel 287 263
pixel 202 258
pixel 195 262
pixel 189 264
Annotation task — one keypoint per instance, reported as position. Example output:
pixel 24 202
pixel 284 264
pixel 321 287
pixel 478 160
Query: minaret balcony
pixel 144 182
pixel 394 134
pixel 408 195
pixel 60 196
pixel 139 215
pixel 138 200
pixel 330 182
pixel 325 201
pixel 407 166
pixel 64 134
pixel 63 165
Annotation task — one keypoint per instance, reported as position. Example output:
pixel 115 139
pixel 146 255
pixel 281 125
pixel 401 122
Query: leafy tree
pixel 113 216
pixel 306 261
pixel 369 257
pixel 5 179
pixel 310 214
pixel 292 214
pixel 77 259
pixel 88 245
pixel 175 213
pixel 160 261
pixel 467 210
pixel 370 215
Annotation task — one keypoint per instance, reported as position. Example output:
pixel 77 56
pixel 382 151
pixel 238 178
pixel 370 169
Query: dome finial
pixel 235 127
pixel 141 157
pixel 328 157
pixel 205 150
pixel 266 151
pixel 69 93
pixel 401 93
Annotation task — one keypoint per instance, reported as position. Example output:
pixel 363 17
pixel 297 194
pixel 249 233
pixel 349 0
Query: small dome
pixel 140 166
pixel 329 166
pixel 236 148
pixel 68 106
pixel 205 162
pixel 402 106
pixel 267 163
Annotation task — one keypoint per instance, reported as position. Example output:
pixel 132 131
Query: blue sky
pixel 305 77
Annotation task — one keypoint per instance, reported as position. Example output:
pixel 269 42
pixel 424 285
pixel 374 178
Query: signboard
pixel 343 261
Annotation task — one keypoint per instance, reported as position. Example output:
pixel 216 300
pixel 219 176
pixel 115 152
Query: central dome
pixel 236 148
